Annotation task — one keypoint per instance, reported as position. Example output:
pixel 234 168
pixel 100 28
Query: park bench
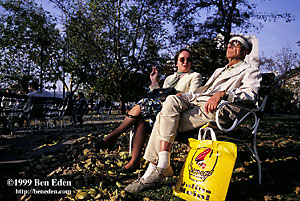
pixel 9 104
pixel 72 111
pixel 41 110
pixel 94 113
pixel 67 110
pixel 52 111
pixel 45 109
pixel 244 135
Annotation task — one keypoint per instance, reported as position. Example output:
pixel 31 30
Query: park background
pixel 107 48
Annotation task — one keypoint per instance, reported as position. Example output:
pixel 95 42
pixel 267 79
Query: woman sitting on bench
pixel 143 114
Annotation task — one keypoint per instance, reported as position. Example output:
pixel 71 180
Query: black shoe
pixel 102 145
pixel 125 170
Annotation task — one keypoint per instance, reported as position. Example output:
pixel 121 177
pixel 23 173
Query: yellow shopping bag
pixel 207 169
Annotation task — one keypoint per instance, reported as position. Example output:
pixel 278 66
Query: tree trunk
pixel 122 98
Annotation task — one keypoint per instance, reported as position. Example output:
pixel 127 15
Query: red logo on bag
pixel 203 164
pixel 200 158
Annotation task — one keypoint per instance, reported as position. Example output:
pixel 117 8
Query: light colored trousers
pixel 177 115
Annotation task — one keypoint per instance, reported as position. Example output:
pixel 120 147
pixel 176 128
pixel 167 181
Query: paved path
pixel 20 148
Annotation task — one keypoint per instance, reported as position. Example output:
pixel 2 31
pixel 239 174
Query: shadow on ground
pixel 93 176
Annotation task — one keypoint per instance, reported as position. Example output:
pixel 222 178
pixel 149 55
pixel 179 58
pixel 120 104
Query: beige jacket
pixel 179 114
pixel 190 82
pixel 240 83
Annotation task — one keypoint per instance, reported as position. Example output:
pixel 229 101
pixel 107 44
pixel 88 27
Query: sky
pixel 273 37
pixel 276 35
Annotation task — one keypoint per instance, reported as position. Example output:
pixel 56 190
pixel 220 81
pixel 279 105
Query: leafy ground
pixel 92 174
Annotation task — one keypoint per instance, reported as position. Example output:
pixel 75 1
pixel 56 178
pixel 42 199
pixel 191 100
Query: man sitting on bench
pixel 238 81
pixel 34 89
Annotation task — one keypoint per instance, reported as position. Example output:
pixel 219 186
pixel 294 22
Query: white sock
pixel 149 170
pixel 163 159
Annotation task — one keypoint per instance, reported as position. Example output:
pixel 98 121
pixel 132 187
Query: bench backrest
pixel 37 107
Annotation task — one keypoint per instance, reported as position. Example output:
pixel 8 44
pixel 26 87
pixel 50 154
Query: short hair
pixel 178 53
pixel 34 84
pixel 8 90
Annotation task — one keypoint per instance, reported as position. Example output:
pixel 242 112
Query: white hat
pixel 247 44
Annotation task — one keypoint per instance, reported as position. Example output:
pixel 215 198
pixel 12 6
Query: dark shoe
pixel 125 170
pixel 102 145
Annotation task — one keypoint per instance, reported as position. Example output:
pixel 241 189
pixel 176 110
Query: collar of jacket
pixel 233 71
pixel 190 71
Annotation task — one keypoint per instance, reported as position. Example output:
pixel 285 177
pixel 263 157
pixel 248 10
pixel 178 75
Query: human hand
pixel 154 75
pixel 212 103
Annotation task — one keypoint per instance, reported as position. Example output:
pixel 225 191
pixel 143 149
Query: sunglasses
pixel 235 43
pixel 188 60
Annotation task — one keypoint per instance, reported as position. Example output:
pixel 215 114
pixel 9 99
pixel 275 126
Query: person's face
pixel 184 62
pixel 235 50
pixel 30 88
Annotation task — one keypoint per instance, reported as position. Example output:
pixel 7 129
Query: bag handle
pixel 212 133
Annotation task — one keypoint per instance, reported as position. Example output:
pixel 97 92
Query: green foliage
pixel 207 56
pixel 206 18
pixel 282 61
pixel 285 64
pixel 109 46
pixel 280 101
pixel 28 35
pixel 112 42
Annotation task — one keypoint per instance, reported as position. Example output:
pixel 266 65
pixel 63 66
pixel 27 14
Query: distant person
pixel 20 92
pixel 69 102
pixel 100 103
pixel 80 108
pixel 7 91
pixel 108 105
pixel 68 106
pixel 6 101
pixel 34 89
pixel 91 100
